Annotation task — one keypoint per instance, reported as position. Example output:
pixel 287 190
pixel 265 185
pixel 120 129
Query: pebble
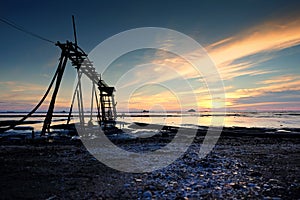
pixel 138 180
pixel 273 181
pixel 147 195
pixel 52 197
pixel 214 177
pixel 251 185
pixel 255 174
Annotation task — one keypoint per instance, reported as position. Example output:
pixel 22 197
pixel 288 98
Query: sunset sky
pixel 255 46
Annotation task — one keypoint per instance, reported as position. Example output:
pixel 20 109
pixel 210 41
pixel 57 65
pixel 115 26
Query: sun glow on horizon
pixel 244 61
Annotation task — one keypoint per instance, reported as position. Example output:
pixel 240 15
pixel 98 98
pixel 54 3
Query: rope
pixel 20 28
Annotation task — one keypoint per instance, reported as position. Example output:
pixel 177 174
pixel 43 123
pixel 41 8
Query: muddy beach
pixel 247 167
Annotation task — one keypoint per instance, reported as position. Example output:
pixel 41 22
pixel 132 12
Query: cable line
pixel 20 28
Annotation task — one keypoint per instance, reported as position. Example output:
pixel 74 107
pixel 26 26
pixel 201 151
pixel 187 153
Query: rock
pixel 181 198
pixel 138 180
pixel 188 188
pixel 175 184
pixel 147 195
pixel 218 188
pixel 235 186
pixel 257 174
pixel 52 197
pixel 251 185
pixel 273 181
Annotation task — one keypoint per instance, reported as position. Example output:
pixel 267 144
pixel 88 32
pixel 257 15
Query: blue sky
pixel 255 45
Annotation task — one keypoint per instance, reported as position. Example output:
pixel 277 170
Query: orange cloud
pixel 276 84
pixel 14 86
pixel 24 96
pixel 269 36
pixel 272 105
pixel 280 79
pixel 266 37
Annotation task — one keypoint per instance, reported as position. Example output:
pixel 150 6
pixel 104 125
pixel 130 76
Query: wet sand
pixel 246 167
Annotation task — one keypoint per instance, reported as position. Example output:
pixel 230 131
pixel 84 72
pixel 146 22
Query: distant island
pixel 191 110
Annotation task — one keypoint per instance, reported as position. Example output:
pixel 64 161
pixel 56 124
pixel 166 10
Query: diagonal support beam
pixel 61 69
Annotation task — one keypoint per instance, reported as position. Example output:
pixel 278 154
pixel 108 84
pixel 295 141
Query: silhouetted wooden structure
pixel 106 106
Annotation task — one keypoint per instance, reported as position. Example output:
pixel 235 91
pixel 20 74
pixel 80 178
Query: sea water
pixel 272 119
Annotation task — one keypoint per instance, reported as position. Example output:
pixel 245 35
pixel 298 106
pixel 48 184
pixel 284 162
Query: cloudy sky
pixel 253 44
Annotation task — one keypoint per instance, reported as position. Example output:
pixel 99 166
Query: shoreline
pixel 160 132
